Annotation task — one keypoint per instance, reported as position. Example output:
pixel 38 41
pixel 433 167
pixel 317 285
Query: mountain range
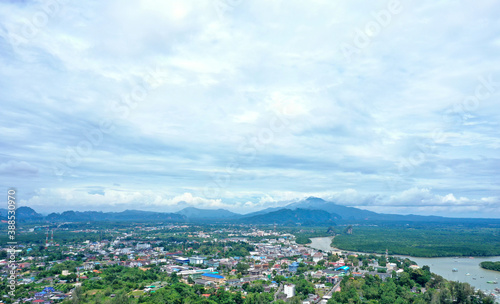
pixel 196 213
pixel 311 211
pixel 27 214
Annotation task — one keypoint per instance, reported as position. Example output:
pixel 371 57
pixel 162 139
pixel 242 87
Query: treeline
pixel 422 242
pixel 490 265
pixel 302 240
pixel 60 237
pixel 304 235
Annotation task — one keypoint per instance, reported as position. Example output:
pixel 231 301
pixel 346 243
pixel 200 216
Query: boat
pixel 467 274
pixel 454 270
pixel 492 282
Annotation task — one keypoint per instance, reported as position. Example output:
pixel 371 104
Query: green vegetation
pixel 490 265
pixel 303 236
pixel 407 288
pixel 291 218
pixel 422 242
pixel 302 240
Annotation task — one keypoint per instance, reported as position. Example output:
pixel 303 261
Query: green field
pixel 422 242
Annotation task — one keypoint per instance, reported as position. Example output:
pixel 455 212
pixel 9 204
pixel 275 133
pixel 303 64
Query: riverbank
pixel 468 269
pixel 422 241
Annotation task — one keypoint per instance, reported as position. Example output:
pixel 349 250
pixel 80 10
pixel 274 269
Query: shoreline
pixel 399 255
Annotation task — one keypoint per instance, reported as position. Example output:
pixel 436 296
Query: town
pixel 187 263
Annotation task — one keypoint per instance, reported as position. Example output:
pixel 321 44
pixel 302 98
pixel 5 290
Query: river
pixel 443 266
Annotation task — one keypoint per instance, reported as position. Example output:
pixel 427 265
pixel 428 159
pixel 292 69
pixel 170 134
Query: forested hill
pixel 304 217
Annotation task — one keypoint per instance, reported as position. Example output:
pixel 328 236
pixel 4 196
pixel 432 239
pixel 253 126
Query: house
pixel 383 276
pixel 88 265
pixel 318 256
pixel 235 282
pixel 332 280
pixel 202 282
pixel 293 267
pixel 212 263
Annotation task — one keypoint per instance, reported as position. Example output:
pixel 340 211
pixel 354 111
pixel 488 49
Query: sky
pixel 389 106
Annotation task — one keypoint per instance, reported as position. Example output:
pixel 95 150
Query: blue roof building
pixel 293 267
pixel 212 277
pixel 342 268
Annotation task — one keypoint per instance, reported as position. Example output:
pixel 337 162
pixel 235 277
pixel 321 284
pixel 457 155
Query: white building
pixel 318 256
pixel 196 260
pixel 289 290
pixel 142 246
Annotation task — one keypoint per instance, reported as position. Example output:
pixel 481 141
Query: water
pixel 443 266
pixel 477 276
pixel 322 243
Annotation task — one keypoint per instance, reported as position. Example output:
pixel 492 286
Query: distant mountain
pixel 352 213
pixel 312 211
pixel 23 214
pixel 127 215
pixel 27 214
pixel 263 211
pixel 195 213
pixel 306 217
pixel 347 213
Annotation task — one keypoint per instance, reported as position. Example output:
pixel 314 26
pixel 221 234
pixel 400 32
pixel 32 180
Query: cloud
pixel 18 168
pixel 410 201
pixel 257 102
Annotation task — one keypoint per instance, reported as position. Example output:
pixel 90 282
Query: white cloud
pixel 216 83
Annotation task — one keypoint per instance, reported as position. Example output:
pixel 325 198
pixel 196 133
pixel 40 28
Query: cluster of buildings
pixel 279 255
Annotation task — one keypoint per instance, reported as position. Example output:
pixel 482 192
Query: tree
pixel 121 298
pixel 174 278
pixel 304 287
pixel 77 295
pixel 295 300
pixel 242 268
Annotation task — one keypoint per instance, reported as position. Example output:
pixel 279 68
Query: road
pixel 278 291
pixel 330 292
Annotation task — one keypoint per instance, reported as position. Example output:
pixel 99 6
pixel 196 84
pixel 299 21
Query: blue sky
pixel 156 105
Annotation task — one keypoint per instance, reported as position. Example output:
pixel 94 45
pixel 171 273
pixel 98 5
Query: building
pixel 213 277
pixel 196 260
pixel 182 260
pixel 293 267
pixel 289 290
pixel 88 266
pixel 342 268
pixel 212 263
pixel 142 246
pixel 318 256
